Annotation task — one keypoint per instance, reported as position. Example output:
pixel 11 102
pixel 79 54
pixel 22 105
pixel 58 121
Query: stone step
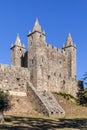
pixel 44 102
pixel 51 103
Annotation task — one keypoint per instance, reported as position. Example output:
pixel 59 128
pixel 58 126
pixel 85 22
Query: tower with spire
pixel 36 42
pixel 70 48
pixel 43 69
pixel 50 68
pixel 17 52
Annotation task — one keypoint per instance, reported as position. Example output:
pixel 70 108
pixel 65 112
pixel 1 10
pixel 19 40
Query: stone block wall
pixel 50 68
pixel 36 100
pixel 13 78
pixel 57 66
pixel 44 102
pixel 70 86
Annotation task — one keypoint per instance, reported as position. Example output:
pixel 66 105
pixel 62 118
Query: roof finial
pixel 23 45
pixel 37 26
pixel 18 41
pixel 69 40
pixel 12 45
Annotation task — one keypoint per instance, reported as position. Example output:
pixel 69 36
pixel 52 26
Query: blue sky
pixel 57 18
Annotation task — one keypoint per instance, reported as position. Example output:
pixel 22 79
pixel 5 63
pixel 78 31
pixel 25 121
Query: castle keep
pixel 41 70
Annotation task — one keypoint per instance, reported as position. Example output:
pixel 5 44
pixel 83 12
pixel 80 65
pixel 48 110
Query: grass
pixel 72 109
pixel 75 118
pixel 42 123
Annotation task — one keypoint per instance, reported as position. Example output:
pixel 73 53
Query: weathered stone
pixel 47 68
pixel 44 102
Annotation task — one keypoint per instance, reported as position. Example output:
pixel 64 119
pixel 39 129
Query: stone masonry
pixel 47 68
pixel 44 102
pixel 14 79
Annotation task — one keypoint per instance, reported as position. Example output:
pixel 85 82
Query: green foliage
pixel 85 93
pixel 82 100
pixel 4 101
pixel 82 97
pixel 85 79
pixel 65 95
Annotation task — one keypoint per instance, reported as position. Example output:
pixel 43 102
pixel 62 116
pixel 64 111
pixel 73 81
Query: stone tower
pixel 17 53
pixel 35 40
pixel 71 49
pixel 48 68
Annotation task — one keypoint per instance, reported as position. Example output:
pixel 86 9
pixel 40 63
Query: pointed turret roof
pixel 69 40
pixel 18 41
pixel 37 26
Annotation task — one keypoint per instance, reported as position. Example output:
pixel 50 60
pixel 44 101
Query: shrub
pixel 65 95
pixel 4 103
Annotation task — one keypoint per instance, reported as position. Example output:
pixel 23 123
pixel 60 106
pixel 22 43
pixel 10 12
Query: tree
pixel 85 78
pixel 83 94
pixel 4 104
pixel 83 98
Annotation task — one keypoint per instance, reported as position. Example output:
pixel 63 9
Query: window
pixel 32 61
pixel 54 73
pixel 17 79
pixel 42 59
pixel 60 75
pixel 64 77
pixel 31 77
pixel 32 37
pixel 48 76
pixel 40 36
pixel 60 62
pixel 63 82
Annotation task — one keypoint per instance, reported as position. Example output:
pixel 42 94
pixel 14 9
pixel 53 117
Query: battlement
pixel 55 49
pixel 13 78
pixel 4 67
pixel 48 69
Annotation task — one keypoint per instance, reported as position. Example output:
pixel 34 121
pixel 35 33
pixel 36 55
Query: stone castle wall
pixel 47 67
pixel 50 68
pixel 57 66
pixel 14 78
pixel 41 70
pixel 44 102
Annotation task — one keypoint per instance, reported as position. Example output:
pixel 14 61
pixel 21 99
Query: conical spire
pixel 69 40
pixel 37 26
pixel 18 41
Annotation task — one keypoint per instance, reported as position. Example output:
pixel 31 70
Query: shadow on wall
pixel 30 123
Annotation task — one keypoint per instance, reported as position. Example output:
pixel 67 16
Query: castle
pixel 44 67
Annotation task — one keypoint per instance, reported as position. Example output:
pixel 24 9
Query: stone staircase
pixel 51 103
pixel 44 102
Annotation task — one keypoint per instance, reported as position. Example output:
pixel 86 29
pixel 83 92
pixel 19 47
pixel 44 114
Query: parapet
pixel 13 78
pixel 55 49
pixel 4 67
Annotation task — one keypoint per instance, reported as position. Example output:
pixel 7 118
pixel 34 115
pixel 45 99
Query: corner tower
pixel 36 40
pixel 17 53
pixel 70 48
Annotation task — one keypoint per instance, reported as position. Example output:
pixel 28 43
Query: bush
pixel 4 104
pixel 83 98
pixel 4 101
pixel 65 95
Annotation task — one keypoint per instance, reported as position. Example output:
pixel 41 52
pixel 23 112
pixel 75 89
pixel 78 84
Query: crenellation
pixel 44 67
pixel 13 78
pixel 55 49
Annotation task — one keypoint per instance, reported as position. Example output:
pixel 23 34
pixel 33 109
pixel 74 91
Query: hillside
pixel 72 109
pixel 23 107
pixel 24 117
